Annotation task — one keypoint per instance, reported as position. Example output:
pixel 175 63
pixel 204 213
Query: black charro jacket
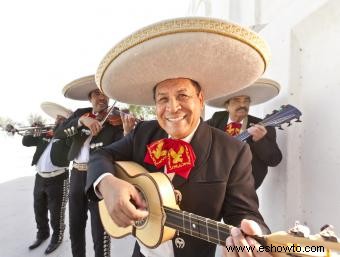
pixel 58 153
pixel 265 152
pixel 220 186
pixel 69 129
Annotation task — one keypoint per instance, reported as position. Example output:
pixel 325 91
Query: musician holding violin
pixel 89 128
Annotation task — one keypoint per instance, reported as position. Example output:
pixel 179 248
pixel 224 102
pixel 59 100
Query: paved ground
pixel 17 225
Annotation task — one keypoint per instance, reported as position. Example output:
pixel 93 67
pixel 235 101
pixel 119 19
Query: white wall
pixel 296 38
pixel 318 37
pixel 304 37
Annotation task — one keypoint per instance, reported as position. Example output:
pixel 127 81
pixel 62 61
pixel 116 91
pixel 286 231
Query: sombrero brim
pixel 259 92
pixel 53 110
pixel 79 89
pixel 222 57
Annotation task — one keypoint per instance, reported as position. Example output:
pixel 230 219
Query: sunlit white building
pixel 304 37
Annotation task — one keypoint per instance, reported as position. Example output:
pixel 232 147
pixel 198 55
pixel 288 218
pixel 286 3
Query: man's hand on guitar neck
pixel 122 200
pixel 238 239
pixel 257 131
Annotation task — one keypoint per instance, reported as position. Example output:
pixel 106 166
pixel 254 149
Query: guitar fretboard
pixel 267 122
pixel 197 226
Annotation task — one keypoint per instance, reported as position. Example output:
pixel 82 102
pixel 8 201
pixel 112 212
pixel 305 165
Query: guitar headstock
pixel 285 114
pixel 298 242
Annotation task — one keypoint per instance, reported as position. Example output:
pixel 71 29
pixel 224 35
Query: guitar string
pixel 196 234
pixel 212 229
pixel 181 216
pixel 265 123
pixel 203 220
pixel 177 213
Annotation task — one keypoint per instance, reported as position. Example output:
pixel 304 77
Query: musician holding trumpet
pixel 36 129
pixel 176 65
pixel 89 129
pixel 51 181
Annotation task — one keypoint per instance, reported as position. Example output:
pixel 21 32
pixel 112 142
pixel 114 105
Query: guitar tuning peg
pixel 298 120
pixel 280 128
pixel 327 232
pixel 275 111
pixel 299 230
pixel 289 124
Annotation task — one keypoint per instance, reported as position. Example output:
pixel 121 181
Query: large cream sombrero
pixel 53 110
pixel 79 89
pixel 221 56
pixel 259 92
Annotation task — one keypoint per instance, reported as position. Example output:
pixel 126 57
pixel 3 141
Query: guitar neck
pixel 243 136
pixel 198 226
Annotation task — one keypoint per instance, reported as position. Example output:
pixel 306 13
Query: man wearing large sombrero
pixel 51 181
pixel 235 120
pixel 172 65
pixel 88 132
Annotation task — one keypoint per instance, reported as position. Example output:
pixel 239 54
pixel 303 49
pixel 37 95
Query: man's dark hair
pixel 196 85
pixel 90 93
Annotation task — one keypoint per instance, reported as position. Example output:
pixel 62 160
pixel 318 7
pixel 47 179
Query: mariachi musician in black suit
pixel 88 133
pixel 52 179
pixel 235 120
pixel 179 61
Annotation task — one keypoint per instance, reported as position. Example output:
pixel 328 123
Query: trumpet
pixel 30 130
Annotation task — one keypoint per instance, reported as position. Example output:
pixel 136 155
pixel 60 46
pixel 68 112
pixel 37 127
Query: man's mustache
pixel 242 108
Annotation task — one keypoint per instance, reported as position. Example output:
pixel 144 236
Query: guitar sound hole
pixel 141 223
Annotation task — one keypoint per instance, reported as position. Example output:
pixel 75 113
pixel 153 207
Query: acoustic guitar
pixel 165 218
pixel 278 117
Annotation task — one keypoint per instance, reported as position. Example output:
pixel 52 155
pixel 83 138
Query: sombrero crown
pixel 222 57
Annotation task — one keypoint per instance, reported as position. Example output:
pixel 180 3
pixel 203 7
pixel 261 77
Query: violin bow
pixel 108 113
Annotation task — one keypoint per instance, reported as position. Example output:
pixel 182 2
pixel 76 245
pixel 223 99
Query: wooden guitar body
pixel 157 191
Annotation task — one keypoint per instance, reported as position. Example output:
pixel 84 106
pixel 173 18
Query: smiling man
pixel 178 106
pixel 87 133
pixel 174 65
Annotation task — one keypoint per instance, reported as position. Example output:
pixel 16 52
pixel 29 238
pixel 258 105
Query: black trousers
pixel 78 207
pixel 136 251
pixel 51 194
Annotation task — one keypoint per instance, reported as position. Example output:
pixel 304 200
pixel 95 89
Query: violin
pixel 111 116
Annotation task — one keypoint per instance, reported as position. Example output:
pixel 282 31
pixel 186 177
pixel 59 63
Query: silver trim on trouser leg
pixel 66 189
pixel 107 245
